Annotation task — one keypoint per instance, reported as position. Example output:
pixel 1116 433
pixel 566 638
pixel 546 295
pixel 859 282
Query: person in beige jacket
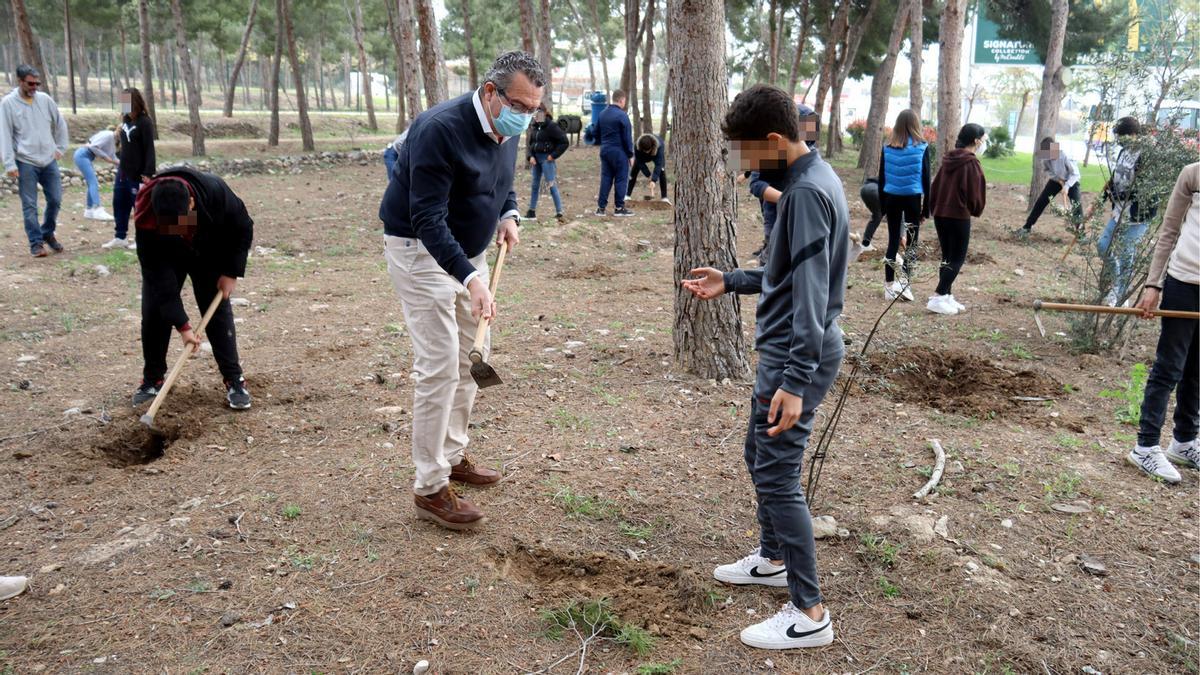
pixel 1174 283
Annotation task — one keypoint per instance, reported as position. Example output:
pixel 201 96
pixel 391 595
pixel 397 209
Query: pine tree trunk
pixel 412 71
pixel 647 125
pixel 1021 112
pixel 125 82
pixel 591 61
pixel 363 68
pixel 394 34
pixel 527 26
pixel 193 96
pixel 708 338
pixel 881 88
pixel 320 67
pixel 70 50
pixel 147 62
pixel 30 52
pixel 545 43
pixel 472 67
pixel 273 82
pixel 774 32
pixel 844 65
pixel 949 103
pixel 240 60
pixel 433 65
pixel 1053 89
pixel 837 32
pixel 306 132
pixel 798 56
pixel 600 42
pixel 916 27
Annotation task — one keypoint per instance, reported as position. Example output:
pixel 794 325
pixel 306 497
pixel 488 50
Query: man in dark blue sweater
pixel 450 193
pixel 616 155
pixel 801 291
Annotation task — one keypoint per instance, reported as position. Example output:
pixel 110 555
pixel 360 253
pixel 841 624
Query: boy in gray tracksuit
pixel 800 350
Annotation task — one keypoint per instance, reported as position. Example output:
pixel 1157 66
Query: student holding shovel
pixel 450 195
pixel 1173 283
pixel 801 292
pixel 190 224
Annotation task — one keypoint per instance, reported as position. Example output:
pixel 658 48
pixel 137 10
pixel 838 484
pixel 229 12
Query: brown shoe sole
pixel 468 481
pixel 422 514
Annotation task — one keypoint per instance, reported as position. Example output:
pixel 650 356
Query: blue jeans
pixel 614 171
pixel 389 159
pixel 124 193
pixel 29 177
pixel 1118 265
pixel 83 161
pixel 549 171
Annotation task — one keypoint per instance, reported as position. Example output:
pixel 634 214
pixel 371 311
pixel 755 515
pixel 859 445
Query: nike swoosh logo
pixel 791 631
pixel 755 573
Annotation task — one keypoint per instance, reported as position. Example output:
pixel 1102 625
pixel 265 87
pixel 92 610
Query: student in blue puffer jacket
pixel 904 177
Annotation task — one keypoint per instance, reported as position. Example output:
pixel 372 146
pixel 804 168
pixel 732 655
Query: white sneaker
pixel 11 587
pixel 897 289
pixel 940 304
pixel 789 629
pixel 1153 462
pixel 132 246
pixel 665 200
pixel 957 305
pixel 89 214
pixel 1184 454
pixel 115 243
pixel 99 213
pixel 753 569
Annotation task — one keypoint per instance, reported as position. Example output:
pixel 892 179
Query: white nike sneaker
pixel 11 587
pixel 99 213
pixel 957 305
pixel 940 304
pixel 115 243
pixel 789 629
pixel 1154 462
pixel 1184 454
pixel 753 569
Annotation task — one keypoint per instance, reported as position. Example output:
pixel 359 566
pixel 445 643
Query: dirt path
pixel 292 523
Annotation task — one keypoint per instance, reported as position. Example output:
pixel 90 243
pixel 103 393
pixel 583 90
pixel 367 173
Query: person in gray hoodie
pixel 33 137
pixel 801 292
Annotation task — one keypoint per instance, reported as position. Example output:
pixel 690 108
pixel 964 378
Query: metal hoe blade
pixel 484 375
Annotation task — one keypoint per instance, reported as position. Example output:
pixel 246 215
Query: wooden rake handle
pixel 481 331
pixel 188 350
pixel 1105 309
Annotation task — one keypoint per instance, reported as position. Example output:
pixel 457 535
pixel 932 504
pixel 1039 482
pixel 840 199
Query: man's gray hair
pixel 25 70
pixel 509 64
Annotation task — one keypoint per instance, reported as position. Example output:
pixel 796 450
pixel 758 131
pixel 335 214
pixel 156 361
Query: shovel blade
pixel 484 375
pixel 148 420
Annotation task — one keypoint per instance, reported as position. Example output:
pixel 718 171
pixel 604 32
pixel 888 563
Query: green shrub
pixel 999 143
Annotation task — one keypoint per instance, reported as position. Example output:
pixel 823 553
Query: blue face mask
pixel 509 123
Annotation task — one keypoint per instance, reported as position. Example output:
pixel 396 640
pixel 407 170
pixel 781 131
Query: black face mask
pixel 773 176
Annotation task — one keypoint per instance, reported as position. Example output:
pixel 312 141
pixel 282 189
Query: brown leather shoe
pixel 447 509
pixel 471 473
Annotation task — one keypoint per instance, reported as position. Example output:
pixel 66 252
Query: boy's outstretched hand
pixel 785 411
pixel 709 285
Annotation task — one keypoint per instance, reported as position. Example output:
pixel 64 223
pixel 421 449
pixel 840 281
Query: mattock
pixel 1038 306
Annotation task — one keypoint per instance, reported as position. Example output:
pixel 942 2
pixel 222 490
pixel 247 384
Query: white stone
pixel 824 527
pixel 239 302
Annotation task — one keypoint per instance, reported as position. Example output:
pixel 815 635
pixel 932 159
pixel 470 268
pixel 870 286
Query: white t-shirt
pixel 104 143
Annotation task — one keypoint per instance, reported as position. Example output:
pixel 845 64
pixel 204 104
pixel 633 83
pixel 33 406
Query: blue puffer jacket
pixel 903 169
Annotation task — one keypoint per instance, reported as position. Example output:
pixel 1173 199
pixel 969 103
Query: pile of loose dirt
pixel 958 382
pixel 597 271
pixel 639 591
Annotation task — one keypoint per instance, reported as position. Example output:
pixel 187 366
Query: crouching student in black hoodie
pixel 801 291
pixel 190 224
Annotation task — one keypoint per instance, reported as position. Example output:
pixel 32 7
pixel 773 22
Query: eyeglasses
pixel 518 108
pixel 32 84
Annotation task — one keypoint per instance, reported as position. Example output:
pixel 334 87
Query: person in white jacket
pixel 1063 175
pixel 1173 283
pixel 103 146
pixel 33 137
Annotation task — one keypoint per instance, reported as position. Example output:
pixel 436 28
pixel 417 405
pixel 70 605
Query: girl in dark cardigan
pixel 959 192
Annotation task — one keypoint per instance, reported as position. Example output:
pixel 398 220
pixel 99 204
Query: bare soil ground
pixel 282 539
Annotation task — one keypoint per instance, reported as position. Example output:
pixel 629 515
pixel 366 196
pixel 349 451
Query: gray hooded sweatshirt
pixel 803 285
pixel 30 132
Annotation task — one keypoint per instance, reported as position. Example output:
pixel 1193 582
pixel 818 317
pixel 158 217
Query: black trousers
pixel 662 180
pixel 869 193
pixel 1176 367
pixel 903 214
pixel 954 234
pixel 1050 192
pixel 156 332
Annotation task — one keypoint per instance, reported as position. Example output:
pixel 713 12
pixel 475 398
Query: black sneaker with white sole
pixel 600 212
pixel 622 212
pixel 236 394
pixel 146 392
